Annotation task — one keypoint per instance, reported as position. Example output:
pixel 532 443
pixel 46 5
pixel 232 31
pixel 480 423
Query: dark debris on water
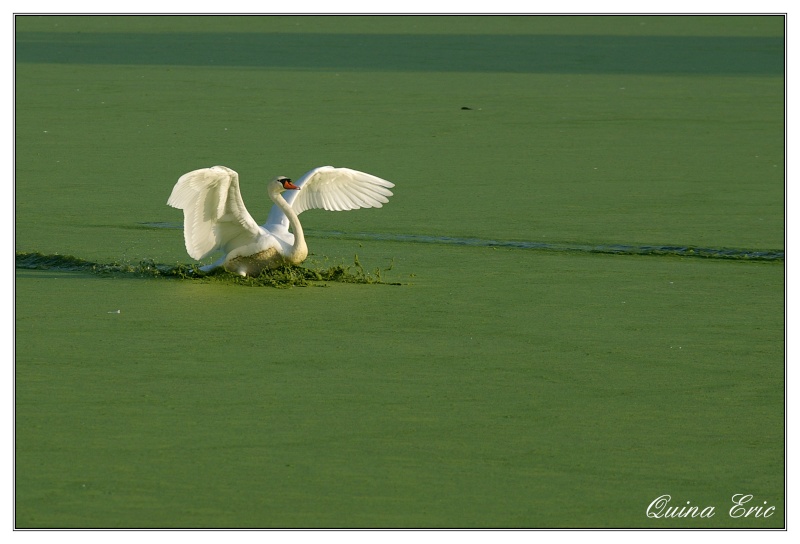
pixel 287 276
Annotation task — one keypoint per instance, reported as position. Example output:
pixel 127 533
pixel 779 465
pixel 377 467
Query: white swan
pixel 215 218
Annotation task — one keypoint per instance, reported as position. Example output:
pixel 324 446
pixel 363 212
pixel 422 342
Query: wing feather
pixel 215 217
pixel 338 189
pixel 333 189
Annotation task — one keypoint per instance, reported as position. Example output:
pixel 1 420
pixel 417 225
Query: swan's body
pixel 215 218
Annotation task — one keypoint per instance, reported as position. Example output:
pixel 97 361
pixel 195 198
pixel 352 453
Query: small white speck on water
pixel 115 312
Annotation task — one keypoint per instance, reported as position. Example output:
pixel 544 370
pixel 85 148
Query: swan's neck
pixel 299 250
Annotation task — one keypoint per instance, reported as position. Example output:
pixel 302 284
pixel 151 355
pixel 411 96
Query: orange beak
pixel 287 184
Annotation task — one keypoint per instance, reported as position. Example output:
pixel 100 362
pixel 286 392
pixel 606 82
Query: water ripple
pixel 613 249
pixel 609 249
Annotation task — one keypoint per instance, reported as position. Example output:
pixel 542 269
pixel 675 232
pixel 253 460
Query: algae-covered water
pixel 572 305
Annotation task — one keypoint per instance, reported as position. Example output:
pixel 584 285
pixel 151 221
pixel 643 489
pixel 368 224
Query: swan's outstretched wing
pixel 333 189
pixel 214 215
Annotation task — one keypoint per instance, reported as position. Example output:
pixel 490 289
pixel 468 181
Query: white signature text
pixel 741 508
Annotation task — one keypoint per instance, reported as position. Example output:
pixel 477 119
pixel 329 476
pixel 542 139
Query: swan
pixel 215 218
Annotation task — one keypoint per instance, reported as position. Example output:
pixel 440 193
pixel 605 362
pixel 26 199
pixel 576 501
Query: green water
pixel 496 386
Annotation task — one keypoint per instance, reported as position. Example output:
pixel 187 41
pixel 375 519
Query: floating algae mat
pixel 287 276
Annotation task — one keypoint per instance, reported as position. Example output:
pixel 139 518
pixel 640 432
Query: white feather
pixel 215 217
pixel 333 189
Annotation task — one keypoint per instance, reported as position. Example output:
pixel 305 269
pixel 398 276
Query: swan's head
pixel 282 183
